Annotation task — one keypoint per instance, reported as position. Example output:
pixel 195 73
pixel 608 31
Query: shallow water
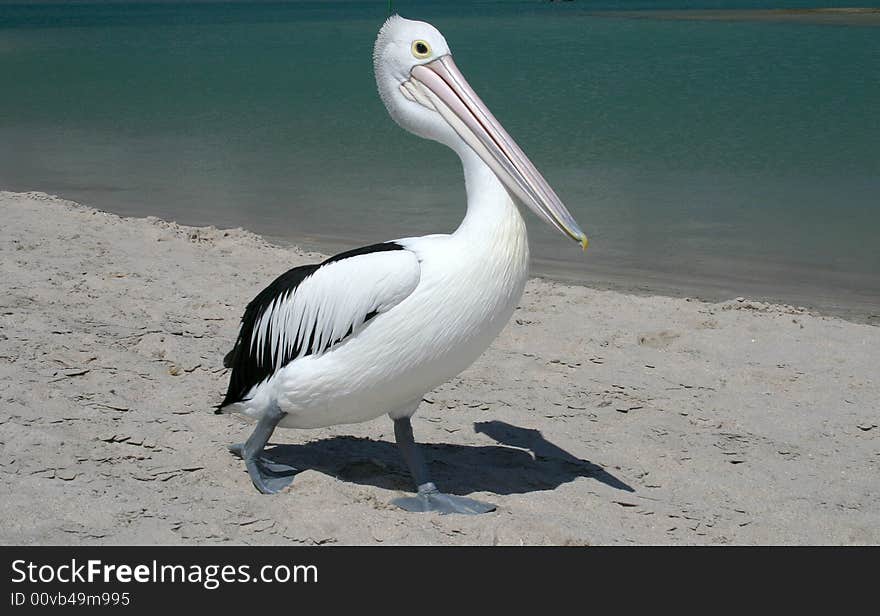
pixel 703 157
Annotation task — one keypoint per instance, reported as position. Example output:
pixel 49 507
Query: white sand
pixel 596 417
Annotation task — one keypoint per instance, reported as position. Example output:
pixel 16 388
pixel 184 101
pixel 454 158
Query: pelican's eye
pixel 421 49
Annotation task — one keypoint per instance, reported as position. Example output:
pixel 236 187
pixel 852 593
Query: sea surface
pixel 711 158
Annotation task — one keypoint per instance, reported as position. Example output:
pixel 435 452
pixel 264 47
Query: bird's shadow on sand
pixel 523 461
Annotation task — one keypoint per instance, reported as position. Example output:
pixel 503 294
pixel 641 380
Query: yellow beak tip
pixel 584 242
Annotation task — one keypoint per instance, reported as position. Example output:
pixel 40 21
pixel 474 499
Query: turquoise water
pixel 703 157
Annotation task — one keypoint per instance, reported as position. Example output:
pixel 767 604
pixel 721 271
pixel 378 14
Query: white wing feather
pixel 334 302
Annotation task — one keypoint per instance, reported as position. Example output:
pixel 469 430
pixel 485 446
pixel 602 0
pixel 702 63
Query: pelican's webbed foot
pixel 268 476
pixel 430 498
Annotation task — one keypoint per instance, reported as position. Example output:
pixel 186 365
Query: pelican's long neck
pixel 492 248
pixel 491 215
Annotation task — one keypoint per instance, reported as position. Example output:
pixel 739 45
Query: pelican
pixel 372 330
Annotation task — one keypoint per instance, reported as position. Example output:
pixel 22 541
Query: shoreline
pixel 706 286
pixel 596 417
pixel 708 278
pixel 845 303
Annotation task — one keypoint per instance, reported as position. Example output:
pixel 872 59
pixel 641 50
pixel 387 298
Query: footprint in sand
pixel 658 340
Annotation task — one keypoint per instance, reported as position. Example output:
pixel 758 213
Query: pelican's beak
pixel 440 86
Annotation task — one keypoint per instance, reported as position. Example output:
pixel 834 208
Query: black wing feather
pixel 248 369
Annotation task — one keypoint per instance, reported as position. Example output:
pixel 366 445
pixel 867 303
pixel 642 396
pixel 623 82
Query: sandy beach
pixel 661 420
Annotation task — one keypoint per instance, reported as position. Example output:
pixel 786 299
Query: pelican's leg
pixel 429 497
pixel 268 477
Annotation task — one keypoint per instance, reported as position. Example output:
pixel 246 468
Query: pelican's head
pixel 427 95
